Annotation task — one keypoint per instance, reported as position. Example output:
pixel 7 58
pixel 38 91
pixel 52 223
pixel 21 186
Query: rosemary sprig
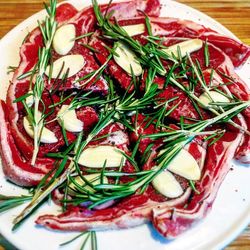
pixel 106 192
pixel 206 55
pixel 192 185
pixel 149 56
pixel 48 31
pixel 90 236
pixel 39 196
pixel 118 108
pixel 11 69
pixel 193 97
pixel 43 191
pixel 8 202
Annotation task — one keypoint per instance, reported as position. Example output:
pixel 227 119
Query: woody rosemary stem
pixel 37 132
pixel 48 31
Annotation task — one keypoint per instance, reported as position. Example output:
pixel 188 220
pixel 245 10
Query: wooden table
pixel 234 14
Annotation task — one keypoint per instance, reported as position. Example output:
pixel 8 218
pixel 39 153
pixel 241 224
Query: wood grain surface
pixel 233 14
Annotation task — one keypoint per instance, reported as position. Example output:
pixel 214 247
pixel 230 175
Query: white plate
pixel 231 210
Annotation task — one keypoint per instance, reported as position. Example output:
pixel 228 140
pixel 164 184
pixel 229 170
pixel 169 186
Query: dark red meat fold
pixel 169 27
pixel 15 167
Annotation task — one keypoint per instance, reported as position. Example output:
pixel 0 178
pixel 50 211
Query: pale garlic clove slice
pixel 166 184
pixel 94 179
pixel 184 164
pixel 68 119
pixel 134 29
pixel 70 64
pixel 47 136
pixel 30 99
pixel 212 96
pixel 127 59
pixel 95 157
pixel 186 47
pixel 64 39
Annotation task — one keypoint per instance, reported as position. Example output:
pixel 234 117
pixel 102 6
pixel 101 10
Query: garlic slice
pixel 95 179
pixel 134 29
pixel 185 165
pixel 95 157
pixel 71 63
pixel 126 59
pixel 215 96
pixel 30 99
pixel 47 136
pixel 186 47
pixel 63 40
pixel 69 119
pixel 166 184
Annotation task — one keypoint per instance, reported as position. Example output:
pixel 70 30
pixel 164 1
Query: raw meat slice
pixel 15 168
pixel 171 217
pixel 132 211
pixel 237 51
pixel 85 20
pixel 142 128
pixel 224 72
pixel 169 27
pixel 97 85
pixel 29 56
pixel 240 90
pixel 172 222
pixel 119 74
pixel 64 12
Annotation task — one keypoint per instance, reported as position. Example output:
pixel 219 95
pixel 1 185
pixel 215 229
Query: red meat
pixel 132 211
pixel 169 27
pixel 15 167
pixel 170 217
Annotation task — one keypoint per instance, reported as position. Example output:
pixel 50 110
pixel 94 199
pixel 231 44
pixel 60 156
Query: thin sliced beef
pixel 223 74
pixel 132 211
pixel 97 85
pixel 15 167
pixel 85 20
pixel 113 69
pixel 172 27
pixel 141 123
pixel 64 12
pixel 29 56
pixel 170 217
pixel 172 222
pixel 240 90
pixel 169 27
